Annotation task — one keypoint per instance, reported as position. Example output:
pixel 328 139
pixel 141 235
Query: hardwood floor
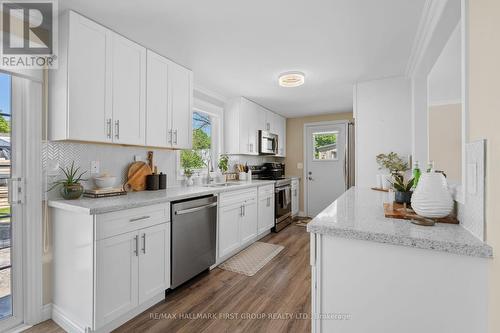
pixel 276 299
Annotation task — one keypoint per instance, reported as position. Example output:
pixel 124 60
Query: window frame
pixel 216 115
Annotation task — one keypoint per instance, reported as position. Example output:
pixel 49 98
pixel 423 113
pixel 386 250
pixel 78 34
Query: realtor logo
pixel 29 34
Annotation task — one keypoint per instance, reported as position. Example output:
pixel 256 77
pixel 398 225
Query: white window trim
pixel 217 131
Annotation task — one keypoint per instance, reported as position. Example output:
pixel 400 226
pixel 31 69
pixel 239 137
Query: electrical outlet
pixel 138 158
pixel 95 167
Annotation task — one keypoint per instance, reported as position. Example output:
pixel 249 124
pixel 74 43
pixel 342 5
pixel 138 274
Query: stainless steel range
pixel 282 192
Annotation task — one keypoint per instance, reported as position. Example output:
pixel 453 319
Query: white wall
pixel 445 77
pixel 383 124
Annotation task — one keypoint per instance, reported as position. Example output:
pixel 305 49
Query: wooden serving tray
pixel 380 189
pixel 398 212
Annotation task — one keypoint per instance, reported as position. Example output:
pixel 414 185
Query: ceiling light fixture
pixel 291 79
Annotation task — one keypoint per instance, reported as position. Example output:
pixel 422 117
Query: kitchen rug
pixel 301 221
pixel 252 259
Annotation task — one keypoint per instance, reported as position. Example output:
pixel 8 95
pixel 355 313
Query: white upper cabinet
pixel 181 101
pixel 243 120
pixel 158 116
pixel 111 89
pixel 128 84
pixel 78 88
pixel 169 103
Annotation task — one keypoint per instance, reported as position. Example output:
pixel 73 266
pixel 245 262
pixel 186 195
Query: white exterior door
pixel 154 254
pixel 229 218
pixel 158 120
pixel 325 146
pixel 88 117
pixel 117 276
pixel 248 223
pixel 128 63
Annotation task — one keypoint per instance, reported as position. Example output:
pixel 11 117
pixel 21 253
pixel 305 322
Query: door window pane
pixel 325 146
pixel 5 215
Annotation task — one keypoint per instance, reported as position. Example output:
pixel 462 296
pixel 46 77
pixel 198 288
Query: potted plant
pixel 70 185
pixel 223 164
pixel 403 188
pixel 393 163
pixel 188 173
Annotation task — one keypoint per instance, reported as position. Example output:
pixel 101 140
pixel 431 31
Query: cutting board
pixel 397 212
pixel 136 176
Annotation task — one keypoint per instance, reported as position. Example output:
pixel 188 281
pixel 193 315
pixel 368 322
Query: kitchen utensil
pixel 137 173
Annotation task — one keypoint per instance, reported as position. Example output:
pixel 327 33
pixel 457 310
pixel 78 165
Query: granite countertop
pixel 359 214
pixel 145 198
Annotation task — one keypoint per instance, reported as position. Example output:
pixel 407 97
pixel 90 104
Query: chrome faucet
pixel 209 169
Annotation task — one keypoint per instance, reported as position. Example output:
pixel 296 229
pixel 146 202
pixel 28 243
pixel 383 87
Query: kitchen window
pixel 206 143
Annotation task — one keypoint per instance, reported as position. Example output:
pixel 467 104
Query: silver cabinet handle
pixel 140 218
pixel 144 243
pixel 170 136
pixel 136 250
pixel 295 193
pixel 117 129
pixel 175 136
pixel 195 209
pixel 241 210
pixel 268 202
pixel 108 128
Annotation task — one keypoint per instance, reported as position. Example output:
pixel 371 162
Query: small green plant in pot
pixel 223 164
pixel 403 188
pixel 70 187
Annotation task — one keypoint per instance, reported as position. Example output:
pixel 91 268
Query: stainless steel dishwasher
pixel 194 224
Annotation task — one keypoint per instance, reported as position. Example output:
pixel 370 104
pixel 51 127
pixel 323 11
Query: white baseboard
pixel 46 311
pixel 64 321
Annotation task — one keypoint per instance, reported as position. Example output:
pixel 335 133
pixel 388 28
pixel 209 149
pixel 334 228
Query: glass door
pixel 11 197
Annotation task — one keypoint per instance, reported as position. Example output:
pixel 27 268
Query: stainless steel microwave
pixel 268 143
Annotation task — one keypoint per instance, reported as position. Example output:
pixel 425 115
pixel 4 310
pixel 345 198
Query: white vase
pixel 432 198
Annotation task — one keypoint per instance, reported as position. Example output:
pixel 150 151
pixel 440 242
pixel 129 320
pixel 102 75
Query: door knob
pixel 310 178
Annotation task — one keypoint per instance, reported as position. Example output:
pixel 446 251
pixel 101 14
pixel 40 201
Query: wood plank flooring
pixel 276 299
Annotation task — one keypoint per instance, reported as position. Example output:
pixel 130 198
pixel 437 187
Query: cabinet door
pixel 128 64
pixel 117 276
pixel 88 117
pixel 154 261
pixel 181 106
pixel 248 223
pixel 158 121
pixel 229 218
pixel 281 131
pixel 245 121
pixel 266 213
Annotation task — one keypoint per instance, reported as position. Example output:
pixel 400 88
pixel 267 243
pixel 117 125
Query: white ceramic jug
pixel 432 198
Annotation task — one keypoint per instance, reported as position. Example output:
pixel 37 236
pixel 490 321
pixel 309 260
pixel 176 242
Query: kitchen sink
pixel 220 185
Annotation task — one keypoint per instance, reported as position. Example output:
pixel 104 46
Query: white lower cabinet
pixel 128 272
pixel 266 208
pixel 117 277
pixel 238 220
pixel 229 217
pixel 248 222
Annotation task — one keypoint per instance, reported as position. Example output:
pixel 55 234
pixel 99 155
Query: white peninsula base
pixel 363 286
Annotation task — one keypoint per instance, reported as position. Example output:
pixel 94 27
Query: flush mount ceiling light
pixel 291 79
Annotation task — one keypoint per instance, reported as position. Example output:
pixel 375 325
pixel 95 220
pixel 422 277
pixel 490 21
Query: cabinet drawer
pixel 111 224
pixel 266 190
pixel 233 197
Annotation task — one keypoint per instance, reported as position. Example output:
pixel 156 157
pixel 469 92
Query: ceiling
pixel 238 48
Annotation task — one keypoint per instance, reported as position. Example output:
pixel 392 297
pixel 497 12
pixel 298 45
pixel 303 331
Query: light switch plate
pixel 300 166
pixel 95 167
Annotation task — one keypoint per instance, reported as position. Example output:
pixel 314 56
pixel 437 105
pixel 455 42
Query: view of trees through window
pixel 325 145
pixel 202 143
